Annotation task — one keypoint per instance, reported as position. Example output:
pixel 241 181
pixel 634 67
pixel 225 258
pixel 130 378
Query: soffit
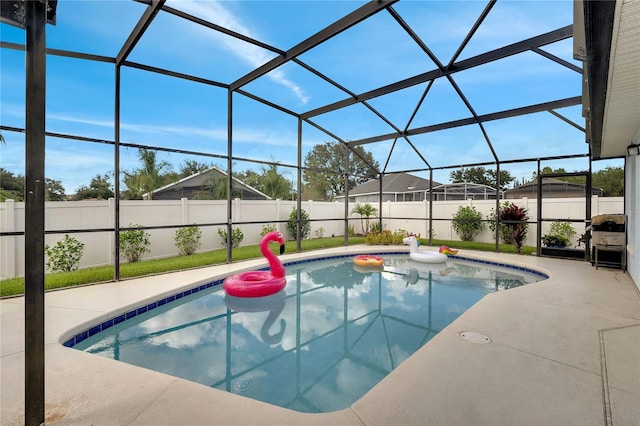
pixel 622 108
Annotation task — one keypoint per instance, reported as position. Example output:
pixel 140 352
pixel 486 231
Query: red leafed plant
pixel 516 218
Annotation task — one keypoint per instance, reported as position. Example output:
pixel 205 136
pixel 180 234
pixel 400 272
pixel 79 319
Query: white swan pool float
pixel 423 256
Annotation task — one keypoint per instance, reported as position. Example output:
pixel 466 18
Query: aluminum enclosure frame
pixel 35 136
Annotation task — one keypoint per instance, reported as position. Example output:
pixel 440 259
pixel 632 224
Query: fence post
pixel 235 217
pixel 310 216
pixel 112 224
pixel 8 258
pixel 184 202
pixel 425 202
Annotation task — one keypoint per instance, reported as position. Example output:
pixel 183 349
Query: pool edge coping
pixel 89 328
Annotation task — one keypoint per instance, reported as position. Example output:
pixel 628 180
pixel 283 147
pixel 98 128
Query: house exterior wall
pixel 327 219
pixel 632 210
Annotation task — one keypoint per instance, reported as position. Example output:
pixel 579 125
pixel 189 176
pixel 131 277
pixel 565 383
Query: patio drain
pixel 473 337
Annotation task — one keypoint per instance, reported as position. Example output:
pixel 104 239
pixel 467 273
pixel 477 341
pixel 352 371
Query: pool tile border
pixel 95 329
pixel 84 335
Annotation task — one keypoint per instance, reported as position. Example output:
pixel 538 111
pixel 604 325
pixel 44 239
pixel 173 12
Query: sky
pixel 175 113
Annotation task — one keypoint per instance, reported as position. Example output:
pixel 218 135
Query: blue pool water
pixel 319 345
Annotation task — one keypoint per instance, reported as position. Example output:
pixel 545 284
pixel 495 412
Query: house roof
pixel 394 183
pixel 608 39
pixel 550 183
pixel 202 179
pixel 464 188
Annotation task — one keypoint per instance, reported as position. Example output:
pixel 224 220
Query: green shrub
pixel 554 241
pixel 134 243
pixel 292 224
pixel 560 235
pixel 236 236
pixel 467 222
pixel 65 255
pixel 267 228
pixel 188 240
pixel 352 230
pixel 562 229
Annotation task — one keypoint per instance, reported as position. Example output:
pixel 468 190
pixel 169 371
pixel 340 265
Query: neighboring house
pixel 407 187
pixel 199 186
pixel 551 188
pixel 463 191
pixel 395 187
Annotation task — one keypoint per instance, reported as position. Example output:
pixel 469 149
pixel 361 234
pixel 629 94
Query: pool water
pixel 319 345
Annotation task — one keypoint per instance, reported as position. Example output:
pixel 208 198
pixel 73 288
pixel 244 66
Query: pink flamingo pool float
pixel 260 283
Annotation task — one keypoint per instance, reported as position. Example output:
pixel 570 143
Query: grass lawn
pixel 15 286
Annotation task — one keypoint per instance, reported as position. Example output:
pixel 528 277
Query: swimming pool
pixel 332 335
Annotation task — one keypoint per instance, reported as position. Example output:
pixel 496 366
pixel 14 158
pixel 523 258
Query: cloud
pixel 215 12
pixel 252 135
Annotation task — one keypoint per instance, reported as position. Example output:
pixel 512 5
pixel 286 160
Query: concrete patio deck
pixel 564 351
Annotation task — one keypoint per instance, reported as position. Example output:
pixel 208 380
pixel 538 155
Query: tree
pixel 249 177
pixel 611 180
pixel 11 186
pixel 152 175
pixel 269 181
pixel 54 190
pixel 324 169
pixel 481 176
pixel 274 184
pixel 99 188
pixel 192 167
pixel 365 211
pixel 560 170
pixel 215 188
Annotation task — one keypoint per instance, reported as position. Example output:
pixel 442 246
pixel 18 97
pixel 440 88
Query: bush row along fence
pixel 327 218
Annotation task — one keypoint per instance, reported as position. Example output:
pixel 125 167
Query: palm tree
pixel 365 211
pixel 152 172
pixel 274 184
pixel 152 175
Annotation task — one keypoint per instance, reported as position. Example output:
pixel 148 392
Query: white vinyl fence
pixel 326 217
